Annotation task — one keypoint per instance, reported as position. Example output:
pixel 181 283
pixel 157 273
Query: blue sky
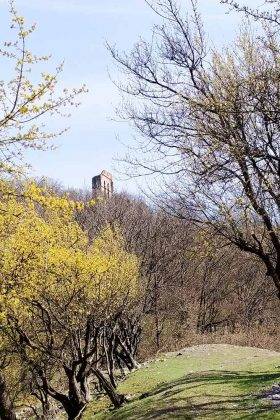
pixel 75 31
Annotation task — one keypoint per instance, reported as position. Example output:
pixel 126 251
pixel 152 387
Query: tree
pixel 28 97
pixel 6 406
pixel 211 120
pixel 229 286
pixel 63 297
pixel 160 242
pixel 268 12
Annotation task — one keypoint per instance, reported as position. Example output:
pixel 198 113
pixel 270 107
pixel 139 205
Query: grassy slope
pixel 211 381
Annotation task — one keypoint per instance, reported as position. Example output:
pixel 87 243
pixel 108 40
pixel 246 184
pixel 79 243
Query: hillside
pixel 209 381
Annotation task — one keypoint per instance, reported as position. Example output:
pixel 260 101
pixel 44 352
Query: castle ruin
pixel 103 184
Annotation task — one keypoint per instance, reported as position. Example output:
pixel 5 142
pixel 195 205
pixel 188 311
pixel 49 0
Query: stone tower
pixel 103 184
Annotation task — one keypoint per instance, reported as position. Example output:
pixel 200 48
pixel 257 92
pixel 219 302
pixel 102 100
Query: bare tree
pixel 212 121
pixel 160 242
pixel 192 282
pixel 268 12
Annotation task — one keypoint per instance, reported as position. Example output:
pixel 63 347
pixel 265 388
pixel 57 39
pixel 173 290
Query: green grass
pixel 212 382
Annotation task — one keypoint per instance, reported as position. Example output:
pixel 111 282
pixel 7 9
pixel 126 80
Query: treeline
pixel 91 288
pixel 195 286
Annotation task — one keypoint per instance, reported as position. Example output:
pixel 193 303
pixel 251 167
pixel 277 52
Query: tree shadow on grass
pixel 242 380
pixel 178 399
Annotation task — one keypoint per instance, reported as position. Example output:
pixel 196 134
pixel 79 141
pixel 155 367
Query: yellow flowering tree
pixel 27 97
pixel 63 297
pixel 29 94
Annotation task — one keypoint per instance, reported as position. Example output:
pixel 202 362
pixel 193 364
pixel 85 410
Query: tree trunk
pixel 73 410
pixel 127 356
pixel 109 350
pixel 78 395
pixel 116 399
pixel 6 407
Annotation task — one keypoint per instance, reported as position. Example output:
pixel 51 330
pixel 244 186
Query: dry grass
pixel 174 338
